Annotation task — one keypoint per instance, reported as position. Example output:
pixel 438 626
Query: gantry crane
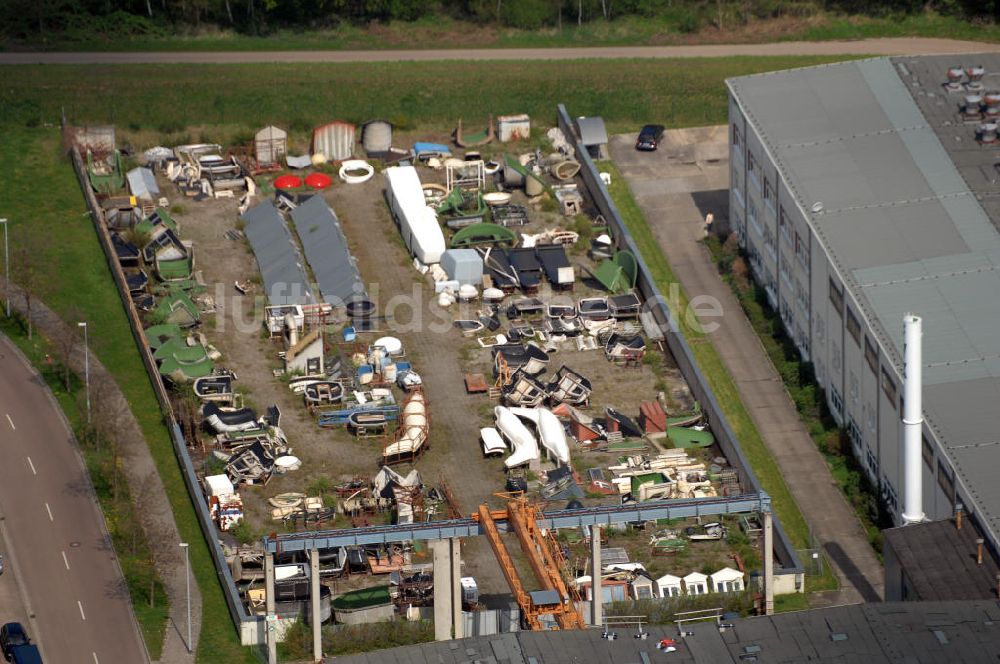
pixel 544 556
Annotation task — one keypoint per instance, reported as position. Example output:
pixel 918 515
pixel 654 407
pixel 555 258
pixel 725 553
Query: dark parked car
pixel 649 137
pixel 12 635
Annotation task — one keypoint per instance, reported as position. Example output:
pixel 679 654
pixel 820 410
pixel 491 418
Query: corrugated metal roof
pixel 909 218
pixel 592 131
pixel 281 269
pixel 326 249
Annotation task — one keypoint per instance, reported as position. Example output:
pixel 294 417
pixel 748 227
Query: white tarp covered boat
pixel 521 440
pixel 418 223
pixel 550 431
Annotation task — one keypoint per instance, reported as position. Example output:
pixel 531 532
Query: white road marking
pixel 65 560
pixel 95 658
pixel 33 471
pixel 11 422
pixel 84 617
pixel 49 510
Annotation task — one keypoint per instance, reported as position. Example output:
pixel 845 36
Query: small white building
pixel 696 583
pixel 727 580
pixel 305 355
pixel 669 585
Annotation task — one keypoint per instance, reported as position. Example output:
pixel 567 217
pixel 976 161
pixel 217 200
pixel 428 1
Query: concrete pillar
pixel 447 589
pixel 596 606
pixel 768 555
pixel 270 618
pixel 457 620
pixel 317 621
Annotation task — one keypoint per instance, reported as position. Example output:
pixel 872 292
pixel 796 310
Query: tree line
pixel 87 19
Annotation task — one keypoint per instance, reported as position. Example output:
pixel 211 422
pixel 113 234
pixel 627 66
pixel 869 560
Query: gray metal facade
pixel 326 249
pixel 859 195
pixel 279 261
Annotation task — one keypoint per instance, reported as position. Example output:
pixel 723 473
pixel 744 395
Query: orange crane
pixel 544 557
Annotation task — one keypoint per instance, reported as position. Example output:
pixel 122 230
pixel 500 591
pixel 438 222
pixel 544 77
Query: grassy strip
pixel 680 24
pixel 173 104
pixel 809 399
pixel 74 280
pixel 351 639
pixel 120 514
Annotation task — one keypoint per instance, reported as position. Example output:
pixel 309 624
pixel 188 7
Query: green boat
pixel 484 233
pixel 690 438
pixel 106 178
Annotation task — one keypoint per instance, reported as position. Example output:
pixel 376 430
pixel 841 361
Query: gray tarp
pixel 326 250
pixel 280 264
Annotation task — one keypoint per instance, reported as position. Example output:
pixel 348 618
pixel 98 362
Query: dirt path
pixel 143 477
pixel 886 46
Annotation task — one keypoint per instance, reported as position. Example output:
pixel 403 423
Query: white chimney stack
pixel 913 420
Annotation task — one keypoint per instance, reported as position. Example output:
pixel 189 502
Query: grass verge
pixel 74 280
pixel 174 104
pixel 808 397
pixel 120 515
pixel 751 442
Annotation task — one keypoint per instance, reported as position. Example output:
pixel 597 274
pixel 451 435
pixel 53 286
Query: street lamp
pixel 86 365
pixel 6 264
pixel 187 581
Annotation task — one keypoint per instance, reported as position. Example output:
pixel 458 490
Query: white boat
pixel 224 420
pixel 413 430
pixel 550 431
pixel 298 384
pixel 492 441
pixel 521 440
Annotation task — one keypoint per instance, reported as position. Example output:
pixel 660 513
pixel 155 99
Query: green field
pixel 164 101
pixel 171 104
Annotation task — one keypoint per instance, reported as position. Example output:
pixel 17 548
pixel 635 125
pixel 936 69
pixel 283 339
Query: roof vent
pixel 972 108
pixel 975 75
pixel 955 76
pixel 987 133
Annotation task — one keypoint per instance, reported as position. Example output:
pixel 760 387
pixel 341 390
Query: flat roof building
pixel 864 190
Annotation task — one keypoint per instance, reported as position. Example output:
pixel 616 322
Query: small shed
pixel 594 136
pixel 696 583
pixel 334 140
pixel 513 127
pixel 376 136
pixel 306 355
pixel 642 586
pixel 727 580
pixel 669 585
pixel 270 146
pixel 142 184
pixel 463 265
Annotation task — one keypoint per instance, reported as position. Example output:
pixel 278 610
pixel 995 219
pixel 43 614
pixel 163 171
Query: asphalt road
pixel 888 46
pixel 56 542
